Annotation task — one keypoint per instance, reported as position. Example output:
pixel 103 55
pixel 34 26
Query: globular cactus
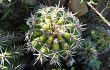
pixel 54 33
pixel 88 55
pixel 101 36
pixel 9 52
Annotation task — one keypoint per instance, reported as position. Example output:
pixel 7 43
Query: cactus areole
pixel 54 33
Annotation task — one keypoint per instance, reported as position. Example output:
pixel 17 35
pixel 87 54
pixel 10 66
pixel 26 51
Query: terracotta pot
pixel 76 6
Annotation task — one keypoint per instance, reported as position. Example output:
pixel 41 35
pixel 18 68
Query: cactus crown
pixel 54 33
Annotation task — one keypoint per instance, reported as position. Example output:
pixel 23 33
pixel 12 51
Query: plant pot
pixel 76 7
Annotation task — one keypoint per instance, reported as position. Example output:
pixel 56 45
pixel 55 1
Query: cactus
pixel 9 52
pixel 88 55
pixel 54 34
pixel 100 35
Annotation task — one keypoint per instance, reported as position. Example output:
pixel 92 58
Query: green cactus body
pixel 55 46
pixel 36 44
pixel 36 33
pixel 57 32
pixel 44 49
